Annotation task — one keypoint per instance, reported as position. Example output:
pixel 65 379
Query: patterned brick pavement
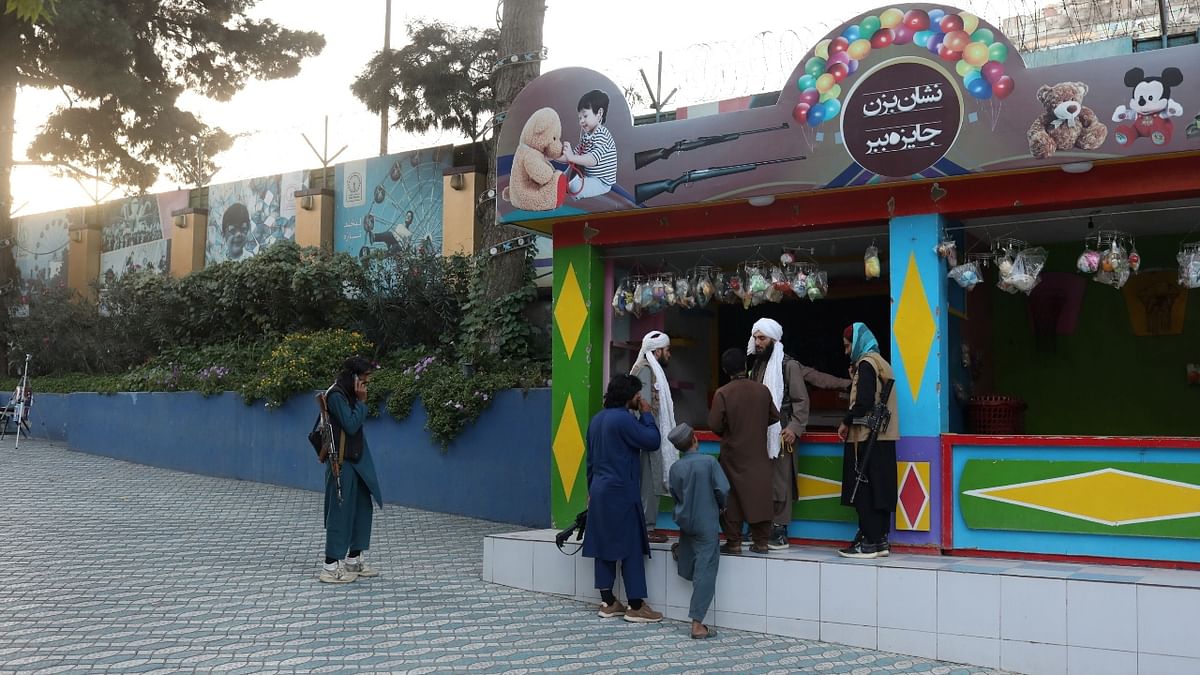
pixel 111 566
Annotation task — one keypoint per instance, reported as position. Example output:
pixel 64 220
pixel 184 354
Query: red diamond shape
pixel 912 496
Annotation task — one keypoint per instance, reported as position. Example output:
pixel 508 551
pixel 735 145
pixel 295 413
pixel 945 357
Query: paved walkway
pixel 117 567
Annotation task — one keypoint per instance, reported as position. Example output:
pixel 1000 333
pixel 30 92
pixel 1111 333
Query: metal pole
pixel 387 47
pixel 1162 20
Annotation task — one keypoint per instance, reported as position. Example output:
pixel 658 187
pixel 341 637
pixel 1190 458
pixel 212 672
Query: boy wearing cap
pixel 699 488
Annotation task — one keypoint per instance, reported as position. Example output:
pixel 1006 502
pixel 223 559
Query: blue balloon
pixel 935 41
pixel 921 38
pixel 852 32
pixel 971 77
pixel 935 16
pixel 979 88
pixel 816 115
pixel 832 108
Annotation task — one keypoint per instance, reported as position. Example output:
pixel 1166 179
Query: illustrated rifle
pixel 876 422
pixel 646 191
pixel 646 157
pixel 330 452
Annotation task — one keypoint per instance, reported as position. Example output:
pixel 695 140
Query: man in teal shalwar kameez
pixel 699 488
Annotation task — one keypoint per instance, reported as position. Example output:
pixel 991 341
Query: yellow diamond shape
pixel 570 313
pixel 1107 496
pixel 914 327
pixel 568 447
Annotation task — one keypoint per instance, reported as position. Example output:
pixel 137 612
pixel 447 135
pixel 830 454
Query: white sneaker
pixel 337 575
pixel 362 569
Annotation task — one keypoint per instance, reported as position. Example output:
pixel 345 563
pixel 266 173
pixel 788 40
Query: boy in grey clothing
pixel 699 488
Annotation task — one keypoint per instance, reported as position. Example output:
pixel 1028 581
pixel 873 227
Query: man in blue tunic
pixel 699 488
pixel 616 526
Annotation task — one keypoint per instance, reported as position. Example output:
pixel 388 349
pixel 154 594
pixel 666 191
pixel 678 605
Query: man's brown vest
pixel 883 371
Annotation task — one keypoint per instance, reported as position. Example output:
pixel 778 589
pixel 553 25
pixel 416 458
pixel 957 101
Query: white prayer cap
pixel 655 340
pixel 769 328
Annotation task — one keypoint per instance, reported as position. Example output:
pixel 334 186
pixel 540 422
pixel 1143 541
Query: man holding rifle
pixel 870 430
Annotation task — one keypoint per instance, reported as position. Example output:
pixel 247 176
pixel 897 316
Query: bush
pixel 303 362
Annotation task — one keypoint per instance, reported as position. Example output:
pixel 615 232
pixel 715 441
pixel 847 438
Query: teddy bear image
pixel 534 184
pixel 1066 123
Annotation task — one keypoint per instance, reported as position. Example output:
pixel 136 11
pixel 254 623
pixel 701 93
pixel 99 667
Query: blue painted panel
pixel 1108 546
pixel 498 469
pixel 48 417
pixel 917 236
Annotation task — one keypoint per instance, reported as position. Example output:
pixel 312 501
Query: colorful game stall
pixel 1023 241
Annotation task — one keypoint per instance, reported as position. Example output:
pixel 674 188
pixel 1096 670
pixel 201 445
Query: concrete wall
pixel 498 469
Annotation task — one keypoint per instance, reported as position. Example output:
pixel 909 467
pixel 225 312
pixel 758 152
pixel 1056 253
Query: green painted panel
pixel 829 509
pixel 982 513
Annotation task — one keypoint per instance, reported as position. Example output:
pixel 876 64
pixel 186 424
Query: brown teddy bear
pixel 534 184
pixel 1067 122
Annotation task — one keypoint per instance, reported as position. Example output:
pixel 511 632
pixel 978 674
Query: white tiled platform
pixel 1022 617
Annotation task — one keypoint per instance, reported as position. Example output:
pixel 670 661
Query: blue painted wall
pixel 498 469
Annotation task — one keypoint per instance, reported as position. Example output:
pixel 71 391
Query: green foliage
pixel 31 10
pixel 64 384
pixel 209 370
pixel 303 362
pixel 124 64
pixel 64 333
pixel 441 79
pixel 498 329
pixel 414 297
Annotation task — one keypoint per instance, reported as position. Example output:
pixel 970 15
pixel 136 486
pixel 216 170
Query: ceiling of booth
pixel 1179 217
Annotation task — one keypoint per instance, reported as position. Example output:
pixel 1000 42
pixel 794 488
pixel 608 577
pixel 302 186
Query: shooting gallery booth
pixel 1022 241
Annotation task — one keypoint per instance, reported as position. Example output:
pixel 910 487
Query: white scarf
pixel 665 415
pixel 772 375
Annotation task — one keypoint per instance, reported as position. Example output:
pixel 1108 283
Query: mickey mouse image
pixel 1150 108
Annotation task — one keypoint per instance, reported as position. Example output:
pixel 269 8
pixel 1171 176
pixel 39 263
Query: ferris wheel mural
pixel 391 202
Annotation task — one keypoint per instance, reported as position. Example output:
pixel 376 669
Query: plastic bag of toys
pixel 623 298
pixel 1088 262
pixel 871 265
pixel 966 275
pixel 1189 268
pixel 817 286
pixel 800 282
pixel 757 284
pixel 705 288
pixel 643 298
pixel 948 250
pixel 684 296
pixel 1021 273
pixel 780 286
pixel 1114 267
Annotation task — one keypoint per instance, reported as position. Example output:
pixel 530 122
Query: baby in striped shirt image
pixel 594 160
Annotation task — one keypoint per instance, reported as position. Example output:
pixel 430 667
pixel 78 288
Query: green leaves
pixel 439 80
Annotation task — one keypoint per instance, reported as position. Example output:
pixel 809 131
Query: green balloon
pixel 815 66
pixel 998 52
pixel 984 35
pixel 868 26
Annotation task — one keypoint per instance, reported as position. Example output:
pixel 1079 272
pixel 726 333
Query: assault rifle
pixel 646 191
pixel 876 422
pixel 645 157
pixel 329 451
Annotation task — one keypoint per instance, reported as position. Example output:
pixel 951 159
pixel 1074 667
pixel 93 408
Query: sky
pixel 710 51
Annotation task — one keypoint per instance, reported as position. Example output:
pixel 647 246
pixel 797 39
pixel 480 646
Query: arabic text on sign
pixel 907 137
pixel 895 101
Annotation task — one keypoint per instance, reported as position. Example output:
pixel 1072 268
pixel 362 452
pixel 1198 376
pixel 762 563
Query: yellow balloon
pixel 822 49
pixel 825 82
pixel 834 92
pixel 976 54
pixel 859 49
pixel 891 18
pixel 970 22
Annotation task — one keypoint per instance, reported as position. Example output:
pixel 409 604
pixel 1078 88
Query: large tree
pixel 122 66
pixel 440 80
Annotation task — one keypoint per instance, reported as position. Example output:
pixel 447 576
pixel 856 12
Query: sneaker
pixel 883 547
pixel 643 614
pixel 609 611
pixel 860 549
pixel 362 569
pixel 778 540
pixel 760 549
pixel 731 549
pixel 337 575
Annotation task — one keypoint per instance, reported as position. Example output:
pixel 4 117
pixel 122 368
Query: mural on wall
pixel 389 202
pixel 136 232
pixel 906 92
pixel 247 216
pixel 41 252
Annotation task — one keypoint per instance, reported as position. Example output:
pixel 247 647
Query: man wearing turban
pixel 654 355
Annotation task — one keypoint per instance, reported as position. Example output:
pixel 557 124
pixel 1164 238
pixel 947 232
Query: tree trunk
pixel 9 52
pixel 520 32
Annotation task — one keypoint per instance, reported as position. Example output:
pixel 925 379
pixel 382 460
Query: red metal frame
pixel 815 437
pixel 948 441
pixel 1160 177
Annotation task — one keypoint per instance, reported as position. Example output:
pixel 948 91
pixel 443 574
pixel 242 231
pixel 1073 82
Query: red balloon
pixel 840 57
pixel 992 71
pixel 839 44
pixel 1003 86
pixel 958 40
pixel 882 38
pixel 800 112
pixel 902 35
pixel 839 71
pixel 810 96
pixel 915 20
pixel 948 54
pixel 951 23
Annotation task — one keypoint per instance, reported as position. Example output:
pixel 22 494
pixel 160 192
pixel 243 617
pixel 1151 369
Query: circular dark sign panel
pixel 901 119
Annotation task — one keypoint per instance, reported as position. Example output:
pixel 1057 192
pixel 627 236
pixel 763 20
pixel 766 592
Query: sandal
pixel 708 632
pixel 675 551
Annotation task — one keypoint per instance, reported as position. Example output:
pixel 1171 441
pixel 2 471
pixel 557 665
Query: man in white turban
pixel 654 355
pixel 785 377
